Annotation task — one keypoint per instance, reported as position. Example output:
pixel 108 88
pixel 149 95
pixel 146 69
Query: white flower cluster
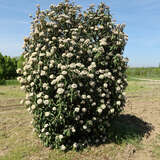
pixel 74 81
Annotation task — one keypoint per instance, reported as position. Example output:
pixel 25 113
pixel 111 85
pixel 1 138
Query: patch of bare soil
pixel 9 102
pixel 147 109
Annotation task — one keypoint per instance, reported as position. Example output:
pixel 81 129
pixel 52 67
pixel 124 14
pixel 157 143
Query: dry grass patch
pixel 132 134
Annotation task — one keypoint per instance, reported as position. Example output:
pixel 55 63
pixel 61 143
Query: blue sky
pixel 142 19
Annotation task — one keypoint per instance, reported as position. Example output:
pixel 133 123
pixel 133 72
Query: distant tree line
pixel 8 66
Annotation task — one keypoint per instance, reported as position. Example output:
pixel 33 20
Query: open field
pixel 136 132
pixel 141 72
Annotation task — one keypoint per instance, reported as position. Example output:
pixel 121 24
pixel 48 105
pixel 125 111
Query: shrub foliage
pixel 74 74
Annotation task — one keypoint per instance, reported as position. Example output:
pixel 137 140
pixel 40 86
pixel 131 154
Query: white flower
pixel 103 43
pixel 119 81
pixel 74 85
pixel 28 102
pixel 75 145
pixel 42 54
pixel 76 109
pixel 84 96
pixel 99 90
pixel 102 100
pixel 69 55
pixel 103 95
pixel 60 85
pixel 46 125
pixel 60 136
pixel 43 129
pixel 109 74
pixel 82 102
pixel 89 59
pixel 46 97
pixel 60 90
pixel 54 82
pixel 101 27
pixel 94 118
pixel 45 68
pixel 32 84
pixel 81 40
pixel 105 85
pixel 86 41
pixel 100 110
pixel 73 130
pixel 63 67
pixel 101 76
pixel 39 95
pixel 54 108
pixel 94 104
pixel 47 114
pixel 51 65
pixel 84 127
pixel 48 54
pixel 118 103
pixel 91 75
pixel 118 88
pixel 46 102
pixel 47 133
pixel 40 63
pixel 103 106
pixel 33 107
pixel 54 38
pixel 45 85
pixel 84 109
pixel 51 76
pixel 52 61
pixel 84 72
pixel 29 78
pixel 88 96
pixel 18 70
pixel 39 101
pixel 43 73
pixel 64 72
pixel 70 48
pixel 95 49
pixel 112 110
pixel 63 147
pixel 60 77
pixel 72 65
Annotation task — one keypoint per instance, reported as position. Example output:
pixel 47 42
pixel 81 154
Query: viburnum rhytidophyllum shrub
pixel 74 74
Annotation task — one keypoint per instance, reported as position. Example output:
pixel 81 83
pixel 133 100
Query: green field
pixel 150 72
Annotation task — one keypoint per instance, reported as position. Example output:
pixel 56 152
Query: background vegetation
pixel 8 67
pixel 142 72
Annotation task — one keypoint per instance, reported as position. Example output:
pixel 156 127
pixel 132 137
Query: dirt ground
pixel 145 104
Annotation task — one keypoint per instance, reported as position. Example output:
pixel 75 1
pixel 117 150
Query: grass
pixel 141 72
pixel 9 82
pixel 10 95
pixel 19 142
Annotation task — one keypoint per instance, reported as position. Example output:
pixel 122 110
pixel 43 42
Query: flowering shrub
pixel 74 74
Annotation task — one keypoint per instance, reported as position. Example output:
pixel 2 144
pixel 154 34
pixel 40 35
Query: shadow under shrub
pixel 127 127
pixel 74 74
